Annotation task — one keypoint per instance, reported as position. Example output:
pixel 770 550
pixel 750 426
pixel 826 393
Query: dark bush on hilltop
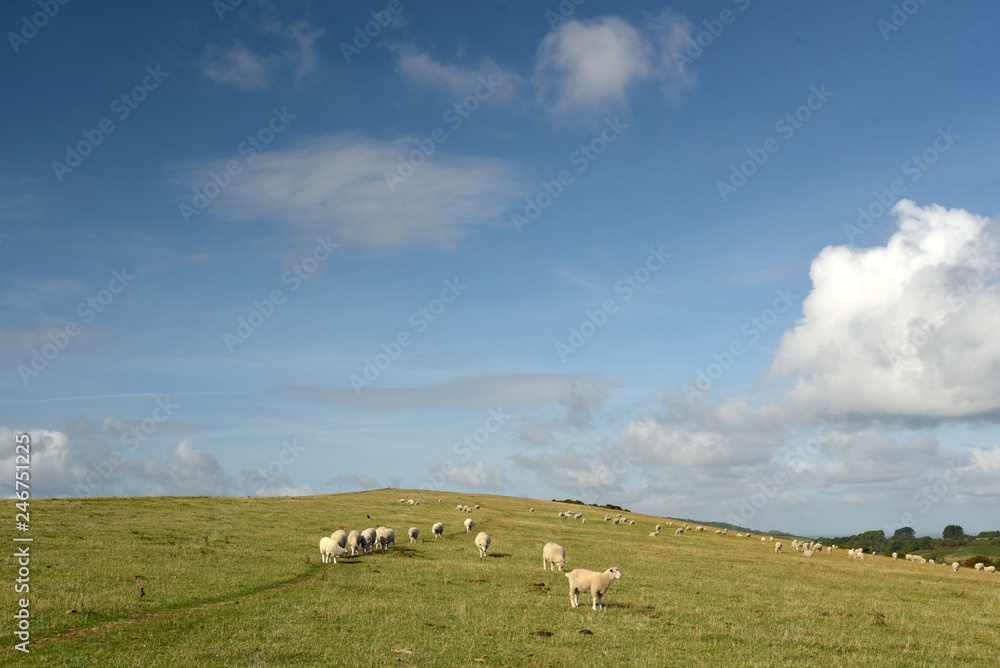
pixel 978 559
pixel 989 534
pixel 595 505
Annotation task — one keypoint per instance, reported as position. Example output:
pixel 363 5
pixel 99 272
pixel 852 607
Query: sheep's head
pixel 615 573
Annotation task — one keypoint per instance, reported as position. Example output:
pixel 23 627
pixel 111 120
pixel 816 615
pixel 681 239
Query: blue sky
pixel 583 250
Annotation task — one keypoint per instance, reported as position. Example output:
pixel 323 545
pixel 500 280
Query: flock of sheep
pixel 554 556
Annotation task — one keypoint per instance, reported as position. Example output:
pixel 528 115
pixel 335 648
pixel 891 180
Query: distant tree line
pixel 905 540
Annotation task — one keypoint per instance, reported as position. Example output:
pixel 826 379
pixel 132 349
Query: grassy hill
pixel 227 581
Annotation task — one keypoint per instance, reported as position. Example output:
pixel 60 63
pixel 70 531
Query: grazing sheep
pixel 384 537
pixel 807 552
pixel 413 533
pixel 631 522
pixel 955 566
pixel 468 524
pixel 596 583
pixel 401 501
pixel 354 540
pixel 459 507
pixel 477 506
pixel 437 529
pixel 369 537
pixel 653 534
pixel 763 540
pixel 583 521
pixel 771 538
pixel 930 561
pixel 531 510
pixel 895 555
pixel 725 531
pixel 990 569
pixel 607 518
pixel 657 527
pixel 339 537
pixel 553 556
pixel 409 502
pixel 829 549
pixel 777 546
pixel 718 532
pixel 483 543
pixel 329 550
pixel 979 566
pixel 679 531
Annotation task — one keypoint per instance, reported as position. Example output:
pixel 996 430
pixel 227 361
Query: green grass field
pixel 238 582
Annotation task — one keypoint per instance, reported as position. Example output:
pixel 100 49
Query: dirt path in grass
pixel 101 628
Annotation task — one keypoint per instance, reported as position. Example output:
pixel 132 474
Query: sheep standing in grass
pixel 679 531
pixel 385 537
pixel 955 566
pixel 483 543
pixel 437 529
pixel 763 540
pixel 607 518
pixel 583 521
pixel 477 506
pixel 596 583
pixel 657 527
pixel 339 537
pixel 654 534
pixel 979 566
pixel 413 533
pixel 369 537
pixel 531 510
pixel 468 524
pixel 807 552
pixel 990 569
pixel 777 546
pixel 553 556
pixel 329 550
pixel 354 540
pixel 895 555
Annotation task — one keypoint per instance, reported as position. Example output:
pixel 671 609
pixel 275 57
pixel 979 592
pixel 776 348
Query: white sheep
pixel 657 527
pixel 896 555
pixel 679 531
pixel 583 521
pixel 369 537
pixel 607 518
pixel 531 510
pixel 477 506
pixel 653 534
pixel 807 552
pixel 413 533
pixel 955 566
pixel 596 583
pixel 829 549
pixel 468 524
pixel 339 537
pixel 763 540
pixel 409 502
pixel 437 529
pixel 354 540
pixel 990 569
pixel 718 532
pixel 553 556
pixel 460 507
pixel 384 537
pixel 777 546
pixel 329 550
pixel 401 501
pixel 979 566
pixel 483 543
pixel 631 522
